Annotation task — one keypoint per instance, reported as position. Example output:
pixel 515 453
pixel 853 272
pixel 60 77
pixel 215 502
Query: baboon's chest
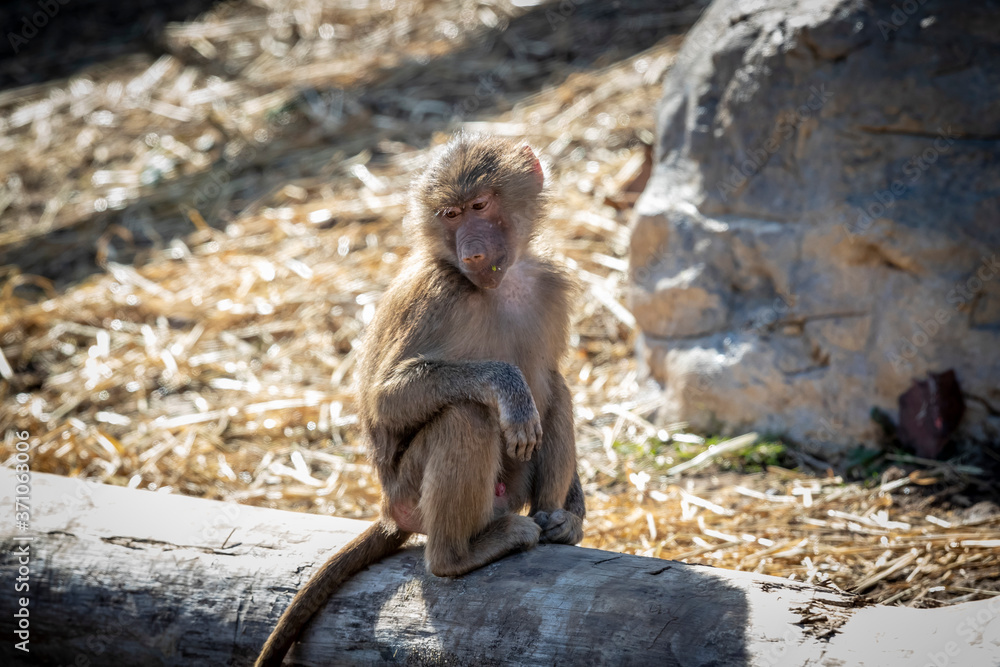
pixel 523 347
pixel 515 339
pixel 517 326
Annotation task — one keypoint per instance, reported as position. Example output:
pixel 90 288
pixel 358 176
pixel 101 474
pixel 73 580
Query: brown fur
pixel 461 394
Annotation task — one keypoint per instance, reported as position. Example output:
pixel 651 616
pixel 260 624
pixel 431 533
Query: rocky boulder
pixel 822 227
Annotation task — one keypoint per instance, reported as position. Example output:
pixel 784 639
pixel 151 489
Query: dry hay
pixel 221 365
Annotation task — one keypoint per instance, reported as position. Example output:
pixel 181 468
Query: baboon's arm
pixel 419 388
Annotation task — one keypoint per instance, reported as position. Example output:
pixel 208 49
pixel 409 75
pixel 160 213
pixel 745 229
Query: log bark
pixel 129 577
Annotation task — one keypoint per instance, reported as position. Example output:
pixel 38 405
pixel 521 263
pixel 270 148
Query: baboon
pixel 466 415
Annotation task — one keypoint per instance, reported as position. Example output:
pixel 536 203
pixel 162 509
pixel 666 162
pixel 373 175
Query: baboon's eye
pixel 451 213
pixel 479 205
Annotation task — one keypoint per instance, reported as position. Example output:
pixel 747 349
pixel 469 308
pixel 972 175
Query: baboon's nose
pixel 474 255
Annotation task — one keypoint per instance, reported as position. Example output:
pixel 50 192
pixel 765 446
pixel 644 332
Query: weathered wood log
pixel 127 577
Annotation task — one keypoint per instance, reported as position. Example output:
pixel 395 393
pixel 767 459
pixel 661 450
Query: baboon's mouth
pixel 491 276
pixel 488 280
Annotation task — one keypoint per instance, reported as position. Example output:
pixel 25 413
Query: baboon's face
pixel 477 203
pixel 481 239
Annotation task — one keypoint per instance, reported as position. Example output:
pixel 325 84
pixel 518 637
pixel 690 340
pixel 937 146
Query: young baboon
pixel 466 415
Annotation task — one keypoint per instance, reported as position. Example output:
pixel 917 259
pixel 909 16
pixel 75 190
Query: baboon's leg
pixel 557 497
pixel 461 448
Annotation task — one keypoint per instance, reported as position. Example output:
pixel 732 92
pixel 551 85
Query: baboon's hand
pixel 519 420
pixel 521 425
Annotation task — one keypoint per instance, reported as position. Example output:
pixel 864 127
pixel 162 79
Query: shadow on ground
pixel 51 39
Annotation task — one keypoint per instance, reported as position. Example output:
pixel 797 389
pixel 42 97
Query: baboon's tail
pixel 377 542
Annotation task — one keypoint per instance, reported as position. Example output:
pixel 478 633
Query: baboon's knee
pixel 469 421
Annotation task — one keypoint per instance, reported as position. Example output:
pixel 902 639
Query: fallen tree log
pixel 128 577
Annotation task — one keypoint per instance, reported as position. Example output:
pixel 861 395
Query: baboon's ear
pixel 536 165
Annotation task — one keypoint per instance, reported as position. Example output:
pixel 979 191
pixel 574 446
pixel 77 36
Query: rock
pixel 822 225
